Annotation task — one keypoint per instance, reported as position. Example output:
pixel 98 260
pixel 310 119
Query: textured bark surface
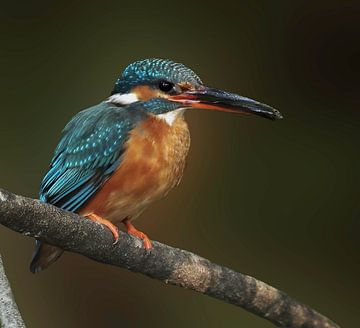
pixel 10 316
pixel 170 265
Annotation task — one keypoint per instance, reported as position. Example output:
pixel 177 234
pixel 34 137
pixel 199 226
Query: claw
pixel 131 230
pixel 113 229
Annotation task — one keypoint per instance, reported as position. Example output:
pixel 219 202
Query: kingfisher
pixel 115 158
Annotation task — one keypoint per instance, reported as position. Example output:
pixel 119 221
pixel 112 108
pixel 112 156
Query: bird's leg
pixel 131 230
pixel 96 218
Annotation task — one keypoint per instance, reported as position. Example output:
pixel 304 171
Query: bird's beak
pixel 214 99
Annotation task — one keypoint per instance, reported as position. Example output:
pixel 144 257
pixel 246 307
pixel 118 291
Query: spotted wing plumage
pixel 90 150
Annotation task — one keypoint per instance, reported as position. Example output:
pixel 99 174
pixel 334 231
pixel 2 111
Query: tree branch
pixel 10 316
pixel 167 264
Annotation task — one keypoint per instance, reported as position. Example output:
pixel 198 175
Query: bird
pixel 115 158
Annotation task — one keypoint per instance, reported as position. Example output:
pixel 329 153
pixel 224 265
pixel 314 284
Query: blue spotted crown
pixel 150 71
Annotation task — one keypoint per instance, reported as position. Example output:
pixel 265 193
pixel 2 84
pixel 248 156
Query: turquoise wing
pixel 89 151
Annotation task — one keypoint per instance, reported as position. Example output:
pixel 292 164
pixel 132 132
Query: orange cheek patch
pixel 145 93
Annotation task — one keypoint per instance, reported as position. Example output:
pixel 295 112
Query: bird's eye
pixel 165 86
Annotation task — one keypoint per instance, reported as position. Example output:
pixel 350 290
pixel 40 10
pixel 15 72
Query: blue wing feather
pixel 88 153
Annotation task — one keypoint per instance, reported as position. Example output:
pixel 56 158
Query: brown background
pixel 276 200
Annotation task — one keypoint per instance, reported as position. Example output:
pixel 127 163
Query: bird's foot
pixel 114 230
pixel 131 230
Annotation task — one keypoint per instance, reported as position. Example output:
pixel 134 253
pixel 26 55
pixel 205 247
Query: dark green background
pixel 276 200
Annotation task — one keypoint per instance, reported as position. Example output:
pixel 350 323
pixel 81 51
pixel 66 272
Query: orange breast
pixel 153 163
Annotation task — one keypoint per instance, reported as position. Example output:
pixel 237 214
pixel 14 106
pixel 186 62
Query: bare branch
pixel 10 316
pixel 167 264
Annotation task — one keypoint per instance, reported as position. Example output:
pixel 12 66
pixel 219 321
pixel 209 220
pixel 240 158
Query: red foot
pixel 131 230
pixel 114 230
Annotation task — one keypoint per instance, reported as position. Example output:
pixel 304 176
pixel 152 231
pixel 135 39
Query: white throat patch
pixel 129 98
pixel 170 117
pixel 123 99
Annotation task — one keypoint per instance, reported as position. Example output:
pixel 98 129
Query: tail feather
pixel 44 255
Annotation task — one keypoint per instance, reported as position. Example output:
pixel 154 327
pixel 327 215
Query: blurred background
pixel 275 200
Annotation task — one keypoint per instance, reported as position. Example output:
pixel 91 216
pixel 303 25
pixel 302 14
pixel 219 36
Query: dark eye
pixel 165 86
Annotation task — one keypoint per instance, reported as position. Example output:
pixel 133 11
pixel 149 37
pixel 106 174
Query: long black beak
pixel 214 99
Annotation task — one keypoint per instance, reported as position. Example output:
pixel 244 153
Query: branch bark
pixel 10 316
pixel 167 264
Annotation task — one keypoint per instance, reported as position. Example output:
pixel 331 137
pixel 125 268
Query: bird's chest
pixel 153 163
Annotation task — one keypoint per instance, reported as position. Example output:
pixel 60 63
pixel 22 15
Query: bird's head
pixel 163 86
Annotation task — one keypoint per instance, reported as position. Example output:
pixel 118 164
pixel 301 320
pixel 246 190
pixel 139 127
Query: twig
pixel 167 264
pixel 10 316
